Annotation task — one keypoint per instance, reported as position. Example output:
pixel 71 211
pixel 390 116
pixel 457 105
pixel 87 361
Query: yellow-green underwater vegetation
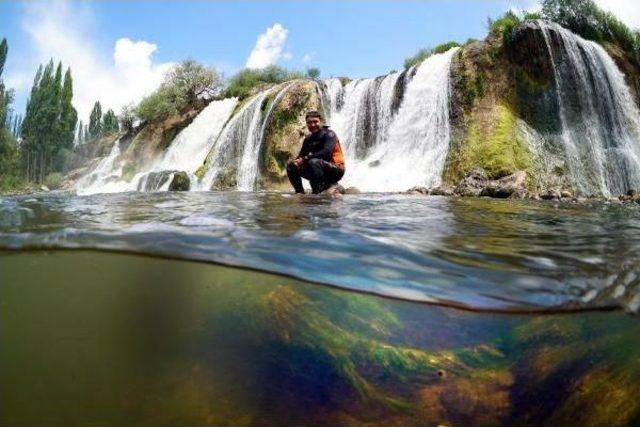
pixel 142 341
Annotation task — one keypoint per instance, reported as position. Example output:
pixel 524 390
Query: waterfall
pixel 388 150
pixel 104 178
pixel 600 123
pixel 248 168
pixel 235 155
pixel 186 153
pixel 190 147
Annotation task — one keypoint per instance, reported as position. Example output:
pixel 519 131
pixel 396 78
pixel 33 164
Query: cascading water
pixel 389 150
pixel 600 121
pixel 104 177
pixel 190 147
pixel 235 155
pixel 248 168
pixel 186 153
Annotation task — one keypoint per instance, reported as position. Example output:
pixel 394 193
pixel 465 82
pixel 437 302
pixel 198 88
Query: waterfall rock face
pixel 548 106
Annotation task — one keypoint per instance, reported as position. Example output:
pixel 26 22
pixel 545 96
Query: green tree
pixel 313 73
pixel 110 123
pixel 48 127
pixel 127 117
pixel 95 122
pixel 180 88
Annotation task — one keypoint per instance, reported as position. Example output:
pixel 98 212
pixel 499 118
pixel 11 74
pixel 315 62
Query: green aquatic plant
pixel 351 333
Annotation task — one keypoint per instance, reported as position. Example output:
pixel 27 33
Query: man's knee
pixel 291 167
pixel 315 162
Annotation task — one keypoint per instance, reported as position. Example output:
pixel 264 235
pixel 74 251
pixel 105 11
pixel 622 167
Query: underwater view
pixel 466 311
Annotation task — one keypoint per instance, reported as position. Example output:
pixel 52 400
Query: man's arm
pixel 304 150
pixel 328 144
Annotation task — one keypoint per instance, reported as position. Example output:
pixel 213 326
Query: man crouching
pixel 320 159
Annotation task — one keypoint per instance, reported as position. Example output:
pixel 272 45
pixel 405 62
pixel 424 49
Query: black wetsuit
pixel 318 167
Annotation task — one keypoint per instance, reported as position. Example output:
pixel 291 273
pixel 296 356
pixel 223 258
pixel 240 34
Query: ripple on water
pixel 487 254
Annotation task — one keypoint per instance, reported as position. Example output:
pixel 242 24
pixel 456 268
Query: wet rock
pixel 335 190
pixel 418 190
pixel 566 194
pixel 44 188
pixel 351 190
pixel 441 191
pixel 472 184
pixel 552 194
pixel 513 186
pixel 180 182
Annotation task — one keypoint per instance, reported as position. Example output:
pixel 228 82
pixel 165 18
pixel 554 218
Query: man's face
pixel 314 124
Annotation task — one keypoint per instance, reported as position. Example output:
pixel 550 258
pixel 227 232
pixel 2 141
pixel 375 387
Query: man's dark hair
pixel 313 114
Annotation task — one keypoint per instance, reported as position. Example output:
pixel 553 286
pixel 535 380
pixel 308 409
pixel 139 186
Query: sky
pixel 118 51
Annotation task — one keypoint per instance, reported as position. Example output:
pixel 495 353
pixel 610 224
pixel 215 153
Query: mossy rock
pixel 180 182
pixel 225 179
pixel 285 131
pixel 491 144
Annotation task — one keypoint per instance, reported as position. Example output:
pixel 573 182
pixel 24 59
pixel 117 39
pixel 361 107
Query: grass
pixel 423 54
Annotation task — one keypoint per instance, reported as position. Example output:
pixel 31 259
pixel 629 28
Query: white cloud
pixel 62 30
pixel 268 48
pixel 307 58
pixel 628 11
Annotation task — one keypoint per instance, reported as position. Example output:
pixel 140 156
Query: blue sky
pixel 119 50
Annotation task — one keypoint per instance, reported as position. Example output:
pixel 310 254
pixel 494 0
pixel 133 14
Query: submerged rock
pixel 180 182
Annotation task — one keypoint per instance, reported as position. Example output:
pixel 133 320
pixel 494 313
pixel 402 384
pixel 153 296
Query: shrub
pixel 504 26
pixel 242 84
pixel 313 73
pixel 423 54
pixel 54 180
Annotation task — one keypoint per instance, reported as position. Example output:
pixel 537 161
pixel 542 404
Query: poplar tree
pixel 95 121
pixel 49 122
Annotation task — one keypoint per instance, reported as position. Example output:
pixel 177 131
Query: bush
pixel 505 26
pixel 313 73
pixel 242 84
pixel 54 180
pixel 423 54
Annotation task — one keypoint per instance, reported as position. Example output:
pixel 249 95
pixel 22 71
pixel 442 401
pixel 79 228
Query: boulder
pixel 418 190
pixel 513 186
pixel 441 191
pixel 180 182
pixel 566 194
pixel 335 190
pixel 552 194
pixel 472 184
pixel 351 190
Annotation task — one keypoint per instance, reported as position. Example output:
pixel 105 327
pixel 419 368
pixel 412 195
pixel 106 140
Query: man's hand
pixel 298 162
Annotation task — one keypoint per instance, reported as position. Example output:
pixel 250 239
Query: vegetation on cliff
pixel 423 54
pixel 248 80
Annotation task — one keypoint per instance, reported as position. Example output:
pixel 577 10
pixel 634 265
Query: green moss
pixel 497 149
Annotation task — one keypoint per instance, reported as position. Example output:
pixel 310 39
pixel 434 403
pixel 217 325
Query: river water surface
pixel 209 309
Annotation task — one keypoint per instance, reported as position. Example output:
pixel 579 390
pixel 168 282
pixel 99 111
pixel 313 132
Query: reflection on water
pixel 91 338
pixel 478 253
